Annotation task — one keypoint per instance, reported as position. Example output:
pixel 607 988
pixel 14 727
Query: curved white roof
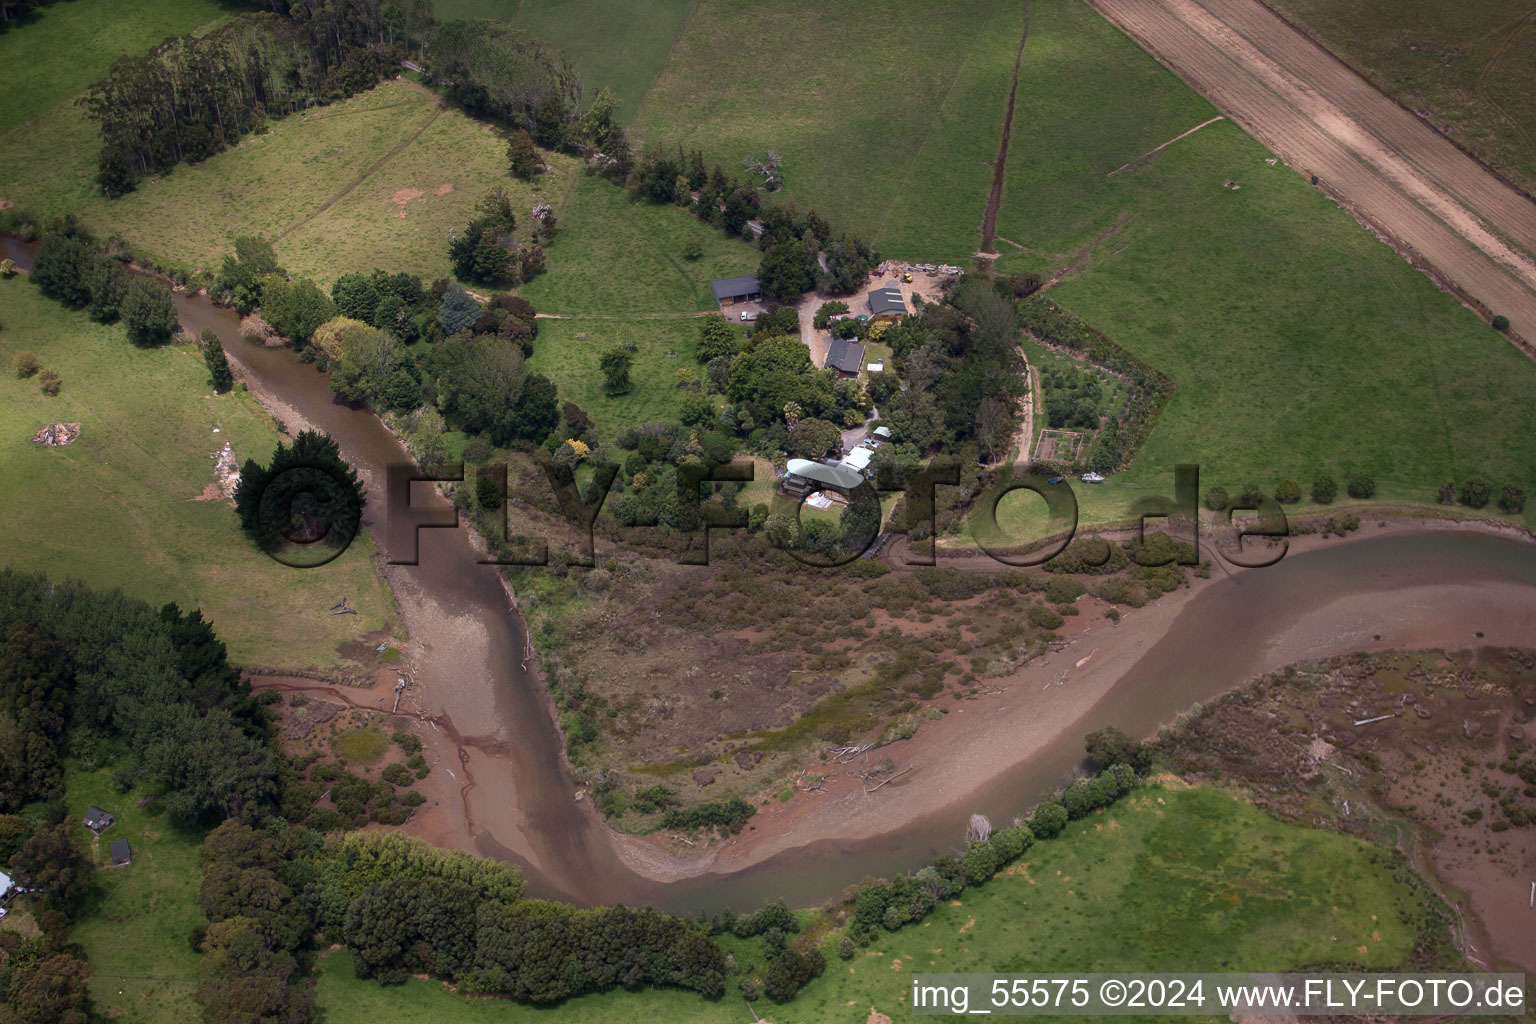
pixel 840 477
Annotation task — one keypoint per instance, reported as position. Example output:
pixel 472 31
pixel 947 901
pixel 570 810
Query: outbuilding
pixel 887 302
pixel 98 820
pixel 122 853
pixel 737 289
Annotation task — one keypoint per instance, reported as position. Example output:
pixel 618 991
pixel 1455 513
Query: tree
pixel 51 990
pixel 1324 490
pixel 1048 820
pixel 218 363
pixel 457 312
pixel 1111 746
pixel 522 158
pixel 717 338
pixel 786 272
pixel 1501 323
pixel 1512 498
pixel 781 530
pixel 244 274
pixel 992 425
pixel 367 364
pixel 148 311
pixel 815 438
pixel 1287 492
pixel 978 829
pixel 1475 492
pixel 1216 499
pixel 295 310
pixel 61 269
pixel 1361 485
pixel 615 364
pixel 826 311
pixel 25 364
pixel 307 491
pixel 51 861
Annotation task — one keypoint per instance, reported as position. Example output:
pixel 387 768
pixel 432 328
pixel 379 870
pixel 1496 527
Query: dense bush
pixel 1475 492
pixel 1361 485
pixel 791 971
pixel 726 815
pixel 1288 492
pixel 1512 498
pixel 1324 489
pixel 1216 499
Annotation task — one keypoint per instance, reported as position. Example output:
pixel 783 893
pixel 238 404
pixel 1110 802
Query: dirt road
pixel 1436 204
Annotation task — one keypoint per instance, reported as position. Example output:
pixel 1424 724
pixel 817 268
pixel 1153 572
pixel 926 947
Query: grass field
pixel 567 352
pixel 57 51
pixel 611 256
pixel 117 507
pixel 136 924
pixel 622 50
pixel 1467 66
pixel 1170 879
pixel 886 119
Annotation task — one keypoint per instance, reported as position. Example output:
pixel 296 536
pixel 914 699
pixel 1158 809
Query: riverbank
pixel 953 761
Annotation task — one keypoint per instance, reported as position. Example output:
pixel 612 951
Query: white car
pixel 747 316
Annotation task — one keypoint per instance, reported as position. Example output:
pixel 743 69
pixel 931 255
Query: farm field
pixel 888 136
pixel 614 257
pixel 1168 879
pixel 376 181
pixel 621 50
pixel 119 508
pixel 136 923
pixel 57 51
pixel 1466 67
pixel 567 352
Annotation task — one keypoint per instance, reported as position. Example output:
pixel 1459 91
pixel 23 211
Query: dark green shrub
pixel 1512 499
pixel 1288 492
pixel 1361 485
pixel 1216 499
pixel 1501 323
pixel 1475 492
pixel 1324 490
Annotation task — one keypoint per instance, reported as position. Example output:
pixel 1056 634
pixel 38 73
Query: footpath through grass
pixel 1167 880
pixel 119 507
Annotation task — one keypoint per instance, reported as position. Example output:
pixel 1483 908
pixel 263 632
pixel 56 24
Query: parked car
pixel 747 316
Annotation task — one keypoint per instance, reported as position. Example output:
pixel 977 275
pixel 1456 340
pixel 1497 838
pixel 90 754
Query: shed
pixel 887 301
pixel 846 357
pixel 736 289
pixel 884 432
pixel 98 820
pixel 858 459
pixel 122 853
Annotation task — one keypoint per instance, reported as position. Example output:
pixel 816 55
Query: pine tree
pixel 218 363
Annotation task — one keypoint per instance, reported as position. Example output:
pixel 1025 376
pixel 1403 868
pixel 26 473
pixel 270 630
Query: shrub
pixel 1048 820
pixel 1448 493
pixel 1361 485
pixel 7 268
pixel 49 381
pixel 1042 617
pixel 1501 323
pixel 1216 499
pixel 790 971
pixel 1324 490
pixel 1475 492
pixel 398 774
pixel 1512 499
pixel 25 364
pixel 845 948
pixel 1288 492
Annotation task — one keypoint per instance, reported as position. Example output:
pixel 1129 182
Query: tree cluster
pixel 77 664
pixel 193 95
pixel 77 273
pixel 307 494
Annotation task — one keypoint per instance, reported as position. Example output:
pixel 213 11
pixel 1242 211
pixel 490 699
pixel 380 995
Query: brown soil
pixel 1445 762
pixel 443 189
pixel 5 203
pixel 400 198
pixel 1436 204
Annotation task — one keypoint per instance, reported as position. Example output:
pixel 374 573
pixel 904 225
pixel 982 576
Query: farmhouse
pixel 846 357
pixel 98 820
pixel 122 853
pixel 803 476
pixel 887 301
pixel 736 289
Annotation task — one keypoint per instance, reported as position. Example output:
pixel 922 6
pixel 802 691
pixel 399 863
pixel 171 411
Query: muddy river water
pixel 1233 628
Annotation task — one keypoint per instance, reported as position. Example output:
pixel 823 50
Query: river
pixel 1232 629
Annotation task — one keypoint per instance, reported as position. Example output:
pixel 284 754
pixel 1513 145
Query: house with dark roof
pixel 122 853
pixel 846 357
pixel 98 820
pixel 736 289
pixel 887 301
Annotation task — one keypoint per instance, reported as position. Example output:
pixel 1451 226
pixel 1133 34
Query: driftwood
pixel 890 780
